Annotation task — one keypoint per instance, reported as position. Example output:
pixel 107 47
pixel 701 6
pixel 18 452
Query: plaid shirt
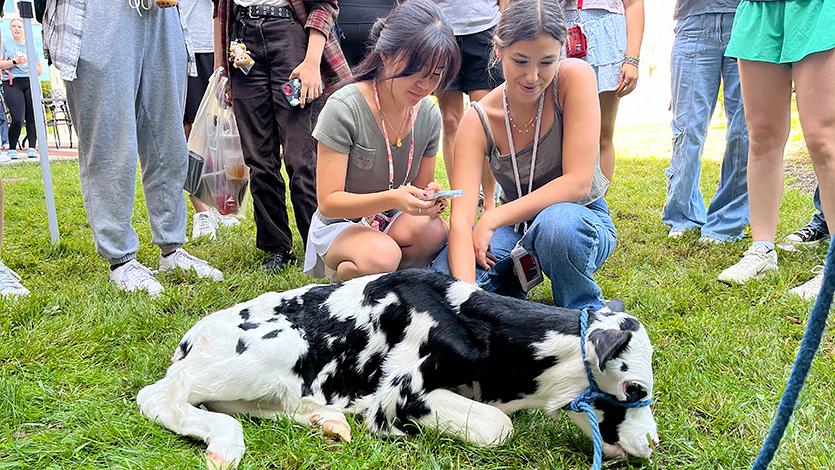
pixel 63 21
pixel 313 14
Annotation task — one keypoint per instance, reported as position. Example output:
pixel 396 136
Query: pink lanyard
pixel 388 146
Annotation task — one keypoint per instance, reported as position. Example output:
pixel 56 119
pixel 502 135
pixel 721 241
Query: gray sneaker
pixel 10 286
pixel 755 263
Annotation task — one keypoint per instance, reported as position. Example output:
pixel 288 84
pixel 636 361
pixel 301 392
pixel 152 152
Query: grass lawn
pixel 74 354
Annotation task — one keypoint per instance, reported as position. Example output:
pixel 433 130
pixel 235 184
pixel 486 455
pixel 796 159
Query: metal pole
pixel 26 9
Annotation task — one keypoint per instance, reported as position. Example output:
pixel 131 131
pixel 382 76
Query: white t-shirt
pixel 266 3
pixel 197 16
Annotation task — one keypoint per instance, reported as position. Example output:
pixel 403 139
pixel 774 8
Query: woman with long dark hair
pixel 16 88
pixel 378 136
pixel 539 132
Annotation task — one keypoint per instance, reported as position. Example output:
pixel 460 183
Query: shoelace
pixel 139 273
pixel 191 261
pixel 751 257
pixel 204 224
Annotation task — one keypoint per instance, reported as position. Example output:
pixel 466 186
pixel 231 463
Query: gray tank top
pixel 548 160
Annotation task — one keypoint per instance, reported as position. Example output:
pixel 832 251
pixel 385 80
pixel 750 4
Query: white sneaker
pixel 10 286
pixel 183 261
pixel 754 264
pixel 675 233
pixel 225 220
pixel 203 224
pixel 809 290
pixel 4 158
pixel 134 276
pixel 705 240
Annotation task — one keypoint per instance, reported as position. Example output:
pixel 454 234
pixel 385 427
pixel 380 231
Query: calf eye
pixel 624 367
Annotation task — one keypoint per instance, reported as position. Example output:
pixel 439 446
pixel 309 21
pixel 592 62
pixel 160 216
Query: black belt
pixel 269 11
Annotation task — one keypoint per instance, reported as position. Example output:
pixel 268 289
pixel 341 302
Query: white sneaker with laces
pixel 203 224
pixel 675 233
pixel 705 240
pixel 809 290
pixel 4 158
pixel 10 286
pixel 225 220
pixel 134 276
pixel 754 264
pixel 185 262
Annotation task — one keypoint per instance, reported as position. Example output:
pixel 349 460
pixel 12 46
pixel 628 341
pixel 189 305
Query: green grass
pixel 74 354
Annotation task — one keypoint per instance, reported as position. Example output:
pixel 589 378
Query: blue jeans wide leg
pixel 572 242
pixel 728 213
pixel 818 220
pixel 696 65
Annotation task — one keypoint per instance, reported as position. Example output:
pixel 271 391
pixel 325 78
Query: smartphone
pixel 449 194
pixel 292 91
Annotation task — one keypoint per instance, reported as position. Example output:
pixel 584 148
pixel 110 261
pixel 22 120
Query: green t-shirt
pixel 347 125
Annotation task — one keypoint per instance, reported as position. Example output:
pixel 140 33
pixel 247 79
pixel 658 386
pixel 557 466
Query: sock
pixel 116 266
pixel 768 245
pixel 169 254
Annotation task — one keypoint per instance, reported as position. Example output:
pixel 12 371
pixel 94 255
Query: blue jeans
pixel 699 66
pixel 571 242
pixel 818 220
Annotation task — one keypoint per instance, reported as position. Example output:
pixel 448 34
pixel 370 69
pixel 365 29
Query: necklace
pixel 524 127
pixel 398 143
pixel 388 146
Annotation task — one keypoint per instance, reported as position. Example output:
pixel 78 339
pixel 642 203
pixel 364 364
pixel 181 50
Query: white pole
pixel 25 7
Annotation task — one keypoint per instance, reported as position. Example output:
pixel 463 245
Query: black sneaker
pixel 807 236
pixel 277 261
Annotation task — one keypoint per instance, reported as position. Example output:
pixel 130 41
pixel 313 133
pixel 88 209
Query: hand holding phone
pixel 449 194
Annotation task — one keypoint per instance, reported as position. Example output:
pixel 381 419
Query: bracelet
pixel 632 60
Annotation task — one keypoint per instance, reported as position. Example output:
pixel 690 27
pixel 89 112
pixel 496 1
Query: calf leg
pixel 166 403
pixel 332 423
pixel 472 421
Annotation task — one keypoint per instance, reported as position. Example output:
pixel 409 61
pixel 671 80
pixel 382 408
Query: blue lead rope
pixel 582 402
pixel 802 364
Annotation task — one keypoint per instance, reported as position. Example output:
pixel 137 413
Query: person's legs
pixel 17 109
pixel 572 242
pixel 360 250
pixel 608 114
pixel 727 214
pixel 696 65
pixel 204 223
pixel 4 125
pixel 451 103
pixel 816 106
pixel 10 285
pixel 31 132
pixel 419 238
pixel 818 220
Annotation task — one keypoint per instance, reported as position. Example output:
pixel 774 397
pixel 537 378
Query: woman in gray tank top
pixel 539 132
pixel 377 139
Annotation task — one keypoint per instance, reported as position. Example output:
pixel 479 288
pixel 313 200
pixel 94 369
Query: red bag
pixel 575 42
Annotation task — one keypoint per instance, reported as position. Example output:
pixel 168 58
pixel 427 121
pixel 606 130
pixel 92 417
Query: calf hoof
pixel 336 427
pixel 215 461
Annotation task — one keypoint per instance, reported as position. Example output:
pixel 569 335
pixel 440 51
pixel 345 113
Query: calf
pixel 403 349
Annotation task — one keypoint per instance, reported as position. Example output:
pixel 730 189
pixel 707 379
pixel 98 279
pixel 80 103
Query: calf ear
pixel 609 344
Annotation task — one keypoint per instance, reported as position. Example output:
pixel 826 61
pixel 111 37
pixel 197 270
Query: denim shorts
pixel 606 39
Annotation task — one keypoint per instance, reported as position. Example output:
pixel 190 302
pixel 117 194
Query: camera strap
pixel 513 149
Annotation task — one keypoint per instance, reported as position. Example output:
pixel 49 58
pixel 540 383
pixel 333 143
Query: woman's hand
pixel 482 234
pixel 311 77
pixel 628 79
pixel 433 188
pixel 410 200
pixel 21 59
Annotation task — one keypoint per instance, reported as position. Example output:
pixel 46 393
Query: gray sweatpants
pixel 128 101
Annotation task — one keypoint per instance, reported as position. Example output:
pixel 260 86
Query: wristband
pixel 632 60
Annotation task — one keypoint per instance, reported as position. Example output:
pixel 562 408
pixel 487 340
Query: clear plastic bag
pixel 214 137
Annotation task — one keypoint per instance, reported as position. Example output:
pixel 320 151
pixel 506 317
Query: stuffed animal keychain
pixel 240 57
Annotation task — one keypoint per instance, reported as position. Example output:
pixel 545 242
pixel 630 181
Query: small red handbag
pixel 575 42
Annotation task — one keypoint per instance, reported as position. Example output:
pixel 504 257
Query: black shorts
pixel 196 86
pixel 476 73
pixel 356 17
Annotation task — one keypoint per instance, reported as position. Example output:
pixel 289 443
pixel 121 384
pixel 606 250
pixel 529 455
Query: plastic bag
pixel 214 137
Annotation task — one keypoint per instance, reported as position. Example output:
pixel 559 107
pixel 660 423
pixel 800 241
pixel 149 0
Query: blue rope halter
pixel 582 402
pixel 802 363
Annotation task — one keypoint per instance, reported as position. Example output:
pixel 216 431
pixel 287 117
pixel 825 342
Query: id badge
pixel 526 267
pixel 575 42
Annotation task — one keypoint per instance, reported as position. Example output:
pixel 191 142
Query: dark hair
pixel 524 20
pixel 417 33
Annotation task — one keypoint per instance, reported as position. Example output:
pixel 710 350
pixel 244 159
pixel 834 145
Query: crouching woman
pixel 377 140
pixel 539 132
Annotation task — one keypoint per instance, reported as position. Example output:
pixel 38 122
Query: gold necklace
pixel 523 128
pixel 399 142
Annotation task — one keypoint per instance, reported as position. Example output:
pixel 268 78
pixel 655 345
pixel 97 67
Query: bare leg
pixel 420 239
pixel 816 106
pixel 608 113
pixel 766 97
pixel 361 250
pixel 452 110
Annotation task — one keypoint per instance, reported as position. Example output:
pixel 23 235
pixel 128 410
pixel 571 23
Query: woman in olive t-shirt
pixel 377 140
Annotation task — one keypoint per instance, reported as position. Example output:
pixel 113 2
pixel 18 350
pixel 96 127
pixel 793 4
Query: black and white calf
pixel 399 349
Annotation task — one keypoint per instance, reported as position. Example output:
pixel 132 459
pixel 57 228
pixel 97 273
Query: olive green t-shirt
pixel 347 125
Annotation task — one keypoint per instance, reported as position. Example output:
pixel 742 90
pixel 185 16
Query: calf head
pixel 620 355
